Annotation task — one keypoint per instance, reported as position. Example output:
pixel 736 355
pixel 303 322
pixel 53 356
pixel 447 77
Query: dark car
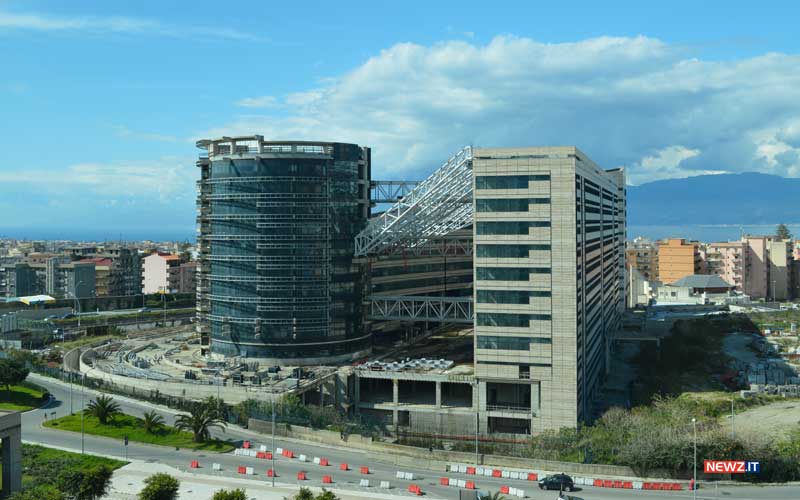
pixel 561 482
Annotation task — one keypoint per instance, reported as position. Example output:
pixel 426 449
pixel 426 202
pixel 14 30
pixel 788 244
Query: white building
pixel 161 273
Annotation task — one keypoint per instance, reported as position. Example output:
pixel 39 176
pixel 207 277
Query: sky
pixel 101 102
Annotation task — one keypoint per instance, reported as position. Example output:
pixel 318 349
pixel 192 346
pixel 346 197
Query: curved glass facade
pixel 279 222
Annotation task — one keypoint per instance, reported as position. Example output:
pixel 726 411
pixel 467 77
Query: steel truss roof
pixel 421 308
pixel 440 204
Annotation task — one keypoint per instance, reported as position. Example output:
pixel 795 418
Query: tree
pixel 160 487
pixel 85 484
pixel 782 232
pixel 103 408
pixel 496 496
pixel 304 494
pixel 237 494
pixel 41 492
pixel 326 495
pixel 152 421
pixel 12 372
pixel 199 421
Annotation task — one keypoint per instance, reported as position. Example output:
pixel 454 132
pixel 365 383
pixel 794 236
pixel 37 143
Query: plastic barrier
pixel 385 485
pixel 462 469
pixel 261 454
pixel 461 483
pixel 263 447
pixel 316 460
pixel 364 483
pixel 246 445
pixel 301 476
pixel 344 467
pixel 399 475
pixel 617 484
pixel 607 483
pixel 303 458
pixel 637 485
pixel 409 476
pixel 364 470
pixel 452 482
pixel 323 462
pixel 598 483
pixel 279 451
pixel 194 464
pixel 241 470
pixel 488 472
pixel 470 485
pixel 271 473
pixel 471 471
pixel 532 476
pixel 479 471
pixel 453 467
pixel 628 485
pixel 504 490
pixel 327 479
pixel 497 473
pixel 444 481
pixel 216 466
pixel 250 471
pixel 415 489
pixel 514 475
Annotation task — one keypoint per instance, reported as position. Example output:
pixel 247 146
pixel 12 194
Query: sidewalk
pixel 128 481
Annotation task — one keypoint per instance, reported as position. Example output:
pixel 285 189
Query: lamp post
pixel 694 468
pixel 83 384
pixel 77 302
pixel 273 441
pixel 477 420
pixel 733 418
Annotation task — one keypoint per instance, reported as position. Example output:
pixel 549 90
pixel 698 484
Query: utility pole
pixel 83 383
pixel 273 441
pixel 694 468
pixel 477 421
pixel 71 411
pixel 733 418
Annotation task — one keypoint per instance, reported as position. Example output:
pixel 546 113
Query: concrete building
pixel 549 285
pixel 278 281
pixel 678 258
pixel 187 277
pixel 642 254
pixel 11 452
pixel 699 289
pixel 729 261
pixel 161 272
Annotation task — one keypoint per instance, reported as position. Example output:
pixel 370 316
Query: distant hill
pixel 747 198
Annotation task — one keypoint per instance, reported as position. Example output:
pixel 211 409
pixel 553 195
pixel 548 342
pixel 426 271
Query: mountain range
pixel 746 198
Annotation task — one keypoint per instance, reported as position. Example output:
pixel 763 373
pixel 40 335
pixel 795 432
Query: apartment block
pixel 779 260
pixel 728 260
pixel 642 255
pixel 549 238
pixel 677 259
pixel 161 273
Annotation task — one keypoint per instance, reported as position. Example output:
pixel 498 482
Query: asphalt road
pixel 287 469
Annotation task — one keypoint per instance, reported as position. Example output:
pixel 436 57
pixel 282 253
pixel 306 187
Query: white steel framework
pixel 440 204
pixel 390 191
pixel 421 308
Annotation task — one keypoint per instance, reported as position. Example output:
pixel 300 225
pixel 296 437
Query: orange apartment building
pixel 677 259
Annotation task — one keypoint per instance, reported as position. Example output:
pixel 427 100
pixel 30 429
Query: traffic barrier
pixel 327 479
pixel 323 462
pixel 444 481
pixel 194 464
pixel 452 482
pixel 497 473
pixel 261 454
pixel 462 469
pixel 279 451
pixel 488 472
pixel 301 476
pixel 246 445
pixel 344 467
pixel 241 470
pixel 598 483
pixel 637 485
pixel 607 483
pixel 505 474
pixel 216 466
pixel 471 471
pixel 504 490
pixel 479 471
pixel 415 489
pixel 532 476
pixel 461 483
pixel 316 460
pixel 677 487
pixel 303 458
pixel 364 483
pixel 453 467
pixel 617 484
pixel 365 470
pixel 470 485
pixel 399 475
pixel 249 471
pixel 514 475
pixel 628 485
pixel 263 447
pixel 385 485
pixel 271 473
pixel 409 476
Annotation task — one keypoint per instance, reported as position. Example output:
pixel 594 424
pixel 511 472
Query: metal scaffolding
pixel 440 204
pixel 390 191
pixel 420 308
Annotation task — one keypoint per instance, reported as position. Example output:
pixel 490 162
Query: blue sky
pixel 101 101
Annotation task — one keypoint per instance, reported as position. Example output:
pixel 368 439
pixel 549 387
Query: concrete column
pixel 12 461
pixel 395 401
pixel 438 395
pixel 321 395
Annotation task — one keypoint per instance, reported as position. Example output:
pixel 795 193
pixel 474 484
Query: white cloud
pixel 624 101
pixel 266 101
pixel 164 180
pixel 116 24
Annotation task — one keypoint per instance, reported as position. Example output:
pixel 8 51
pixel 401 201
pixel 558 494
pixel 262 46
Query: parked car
pixel 68 316
pixel 145 310
pixel 561 482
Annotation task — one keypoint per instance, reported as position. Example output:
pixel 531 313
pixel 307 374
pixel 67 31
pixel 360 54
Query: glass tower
pixel 277 221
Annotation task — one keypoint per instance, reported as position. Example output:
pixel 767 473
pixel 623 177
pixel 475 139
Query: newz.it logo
pixel 731 466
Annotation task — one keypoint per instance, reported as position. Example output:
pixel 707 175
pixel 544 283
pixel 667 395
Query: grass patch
pixel 82 341
pixel 23 397
pixel 127 425
pixel 42 465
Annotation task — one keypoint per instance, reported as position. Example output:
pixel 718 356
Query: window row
pixel 508 204
pixel 508 227
pixel 509 251
pixel 509 296
pixel 509 319
pixel 507 181
pixel 509 273
pixel 509 343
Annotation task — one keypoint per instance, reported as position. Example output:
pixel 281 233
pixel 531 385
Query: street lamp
pixel 477 420
pixel 273 441
pixel 77 302
pixel 83 384
pixel 733 417
pixel 694 468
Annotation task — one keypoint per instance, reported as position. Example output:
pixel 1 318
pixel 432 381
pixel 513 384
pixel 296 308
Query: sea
pixel 707 232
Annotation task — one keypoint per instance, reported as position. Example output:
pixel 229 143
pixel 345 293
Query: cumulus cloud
pixel 636 102
pixel 117 24
pixel 266 101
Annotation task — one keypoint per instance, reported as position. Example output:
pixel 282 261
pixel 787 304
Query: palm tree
pixel 103 408
pixel 152 421
pixel 496 496
pixel 199 421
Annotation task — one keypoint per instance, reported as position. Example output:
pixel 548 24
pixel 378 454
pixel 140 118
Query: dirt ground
pixel 776 420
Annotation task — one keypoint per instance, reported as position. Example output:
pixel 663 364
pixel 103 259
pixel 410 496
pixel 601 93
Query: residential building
pixel 104 278
pixel 22 281
pixel 699 289
pixel 678 258
pixel 187 281
pixel 278 281
pixel 728 260
pixel 161 273
pixel 549 235
pixel 779 254
pixel 642 254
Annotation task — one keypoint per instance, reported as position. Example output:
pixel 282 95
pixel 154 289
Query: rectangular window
pixel 509 296
pixel 507 181
pixel 508 204
pixel 509 273
pixel 508 228
pixel 509 251
pixel 509 343
pixel 510 320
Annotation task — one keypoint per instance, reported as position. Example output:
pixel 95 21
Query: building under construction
pixel 520 249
